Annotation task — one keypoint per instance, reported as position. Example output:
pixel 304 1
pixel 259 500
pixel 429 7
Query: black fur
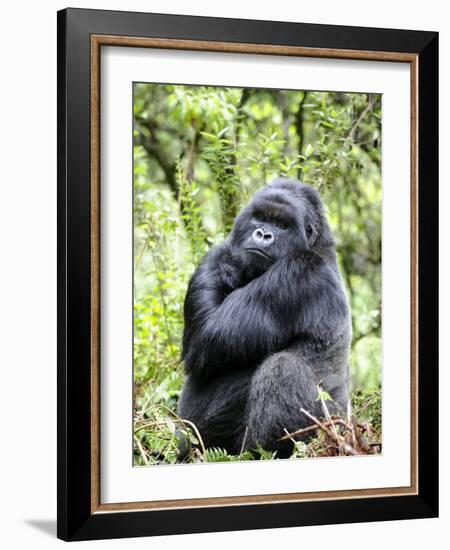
pixel 266 321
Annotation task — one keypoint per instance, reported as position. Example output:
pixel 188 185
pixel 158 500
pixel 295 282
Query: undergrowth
pixel 160 436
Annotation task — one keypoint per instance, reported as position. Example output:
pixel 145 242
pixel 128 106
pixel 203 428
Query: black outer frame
pixel 75 521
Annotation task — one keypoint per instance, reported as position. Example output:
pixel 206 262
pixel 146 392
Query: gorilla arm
pixel 228 327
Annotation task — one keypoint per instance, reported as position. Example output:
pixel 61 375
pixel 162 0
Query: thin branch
pixel 370 104
pixel 287 436
pixel 326 413
pixel 299 128
pixel 141 253
pixel 243 441
pixel 311 428
pixel 189 170
pixel 141 451
pixel 339 440
pixel 352 421
pixel 149 425
pixel 154 149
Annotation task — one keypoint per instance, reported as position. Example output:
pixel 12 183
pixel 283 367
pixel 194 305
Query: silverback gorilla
pixel 266 321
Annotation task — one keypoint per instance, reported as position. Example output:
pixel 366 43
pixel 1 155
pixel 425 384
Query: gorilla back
pixel 266 322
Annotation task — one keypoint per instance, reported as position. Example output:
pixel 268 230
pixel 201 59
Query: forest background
pixel 200 153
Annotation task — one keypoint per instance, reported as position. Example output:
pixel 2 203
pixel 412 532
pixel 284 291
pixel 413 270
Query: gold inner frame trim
pixel 97 41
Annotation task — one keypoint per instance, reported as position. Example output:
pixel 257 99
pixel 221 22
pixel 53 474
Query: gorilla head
pixel 286 217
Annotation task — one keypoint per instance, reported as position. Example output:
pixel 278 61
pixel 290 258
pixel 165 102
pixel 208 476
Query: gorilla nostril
pixel 268 237
pixel 258 235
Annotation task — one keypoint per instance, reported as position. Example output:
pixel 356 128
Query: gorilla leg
pixel 280 387
pixel 217 409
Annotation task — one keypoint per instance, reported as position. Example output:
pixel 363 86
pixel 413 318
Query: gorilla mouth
pixel 260 252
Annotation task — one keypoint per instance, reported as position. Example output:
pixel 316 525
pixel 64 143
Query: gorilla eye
pixel 281 224
pixel 308 231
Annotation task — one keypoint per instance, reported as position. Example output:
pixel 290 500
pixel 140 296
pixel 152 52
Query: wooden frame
pixel 81 34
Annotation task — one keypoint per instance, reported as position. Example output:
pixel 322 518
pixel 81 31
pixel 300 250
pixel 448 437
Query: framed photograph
pixel 247 286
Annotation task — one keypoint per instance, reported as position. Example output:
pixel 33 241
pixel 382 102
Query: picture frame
pixel 81 36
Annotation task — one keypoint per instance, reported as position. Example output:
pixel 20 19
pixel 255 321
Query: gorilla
pixel 266 321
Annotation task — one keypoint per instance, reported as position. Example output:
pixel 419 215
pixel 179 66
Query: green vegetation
pixel 200 153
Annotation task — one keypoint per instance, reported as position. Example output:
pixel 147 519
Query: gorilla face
pixel 284 218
